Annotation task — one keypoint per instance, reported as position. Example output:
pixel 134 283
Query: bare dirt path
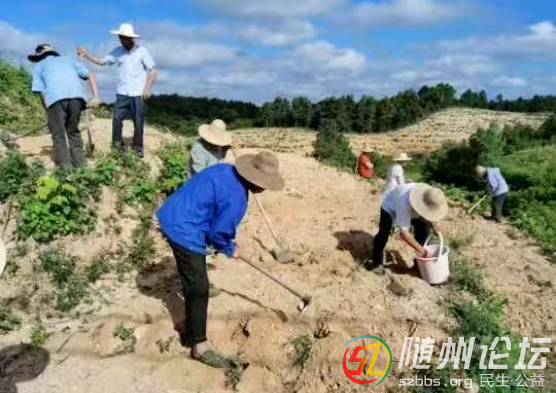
pixel 328 218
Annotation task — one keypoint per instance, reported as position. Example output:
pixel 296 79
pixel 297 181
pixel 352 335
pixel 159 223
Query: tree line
pixel 365 115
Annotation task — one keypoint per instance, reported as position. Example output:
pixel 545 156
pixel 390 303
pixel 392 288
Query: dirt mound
pixel 328 218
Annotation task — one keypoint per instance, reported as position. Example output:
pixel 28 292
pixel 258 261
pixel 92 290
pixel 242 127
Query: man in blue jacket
pixel 497 188
pixel 205 212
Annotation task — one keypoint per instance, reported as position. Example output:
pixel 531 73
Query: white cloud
pixel 177 53
pixel 323 59
pixel 403 12
pixel 285 34
pixel 509 81
pixel 273 9
pixel 464 64
pixel 15 43
pixel 538 42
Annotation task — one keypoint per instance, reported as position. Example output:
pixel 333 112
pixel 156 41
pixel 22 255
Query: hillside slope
pixel 328 218
pixel 450 125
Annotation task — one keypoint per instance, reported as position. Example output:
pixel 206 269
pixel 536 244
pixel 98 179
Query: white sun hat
pixel 402 157
pixel 126 30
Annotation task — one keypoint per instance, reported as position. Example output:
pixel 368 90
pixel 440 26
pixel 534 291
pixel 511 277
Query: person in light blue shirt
pixel 136 77
pixel 205 212
pixel 497 188
pixel 59 81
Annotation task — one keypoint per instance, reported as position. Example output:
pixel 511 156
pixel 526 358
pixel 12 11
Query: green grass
pixel 20 109
pixel 480 315
pixel 302 345
pixel 531 203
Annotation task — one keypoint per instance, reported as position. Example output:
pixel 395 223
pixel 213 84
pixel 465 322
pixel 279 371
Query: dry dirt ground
pixel 450 125
pixel 328 218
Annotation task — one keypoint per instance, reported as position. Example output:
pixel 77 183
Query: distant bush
pixel 332 147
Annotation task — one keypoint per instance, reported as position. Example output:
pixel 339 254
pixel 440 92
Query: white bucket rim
pixel 445 250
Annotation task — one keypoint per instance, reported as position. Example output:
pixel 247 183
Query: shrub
pixel 127 336
pixel 487 145
pixel 17 176
pixel 72 293
pixel 381 163
pixel 58 264
pixel 174 171
pixel 142 249
pixel 96 269
pixel 39 336
pixel 332 147
pixel 56 209
pixel 9 322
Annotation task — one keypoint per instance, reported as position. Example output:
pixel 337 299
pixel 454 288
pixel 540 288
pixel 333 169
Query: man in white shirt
pixel 409 205
pixel 136 76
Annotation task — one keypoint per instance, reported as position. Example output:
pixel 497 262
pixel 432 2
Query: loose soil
pixel 328 219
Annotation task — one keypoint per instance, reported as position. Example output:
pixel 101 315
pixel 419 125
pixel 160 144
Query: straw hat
pixel 480 170
pixel 262 170
pixel 125 30
pixel 430 203
pixel 215 133
pixel 3 256
pixel 402 157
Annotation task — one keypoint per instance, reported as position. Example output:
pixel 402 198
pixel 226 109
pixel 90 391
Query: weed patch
pixel 39 336
pixel 9 322
pixel 302 345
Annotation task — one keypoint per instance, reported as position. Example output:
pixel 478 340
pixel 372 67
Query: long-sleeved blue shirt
pixel 496 184
pixel 206 210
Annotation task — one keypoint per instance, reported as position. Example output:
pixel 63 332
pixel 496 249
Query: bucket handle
pixel 441 242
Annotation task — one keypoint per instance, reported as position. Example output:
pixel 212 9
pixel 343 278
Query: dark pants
pixel 129 107
pixel 192 269
pixel 421 230
pixel 63 123
pixel 498 206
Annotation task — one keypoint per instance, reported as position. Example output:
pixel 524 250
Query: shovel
pixel 91 145
pixel 476 205
pixel 281 254
pixel 305 300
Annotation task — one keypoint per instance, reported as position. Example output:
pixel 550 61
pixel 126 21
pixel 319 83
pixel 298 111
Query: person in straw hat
pixel 497 188
pixel 59 81
pixel 211 148
pixel 136 77
pixel 365 166
pixel 396 176
pixel 205 212
pixel 409 205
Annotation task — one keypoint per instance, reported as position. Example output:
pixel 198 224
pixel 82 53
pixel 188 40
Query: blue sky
pixel 255 50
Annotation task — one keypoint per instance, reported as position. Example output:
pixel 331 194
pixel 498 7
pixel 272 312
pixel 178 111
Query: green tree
pixel 302 110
